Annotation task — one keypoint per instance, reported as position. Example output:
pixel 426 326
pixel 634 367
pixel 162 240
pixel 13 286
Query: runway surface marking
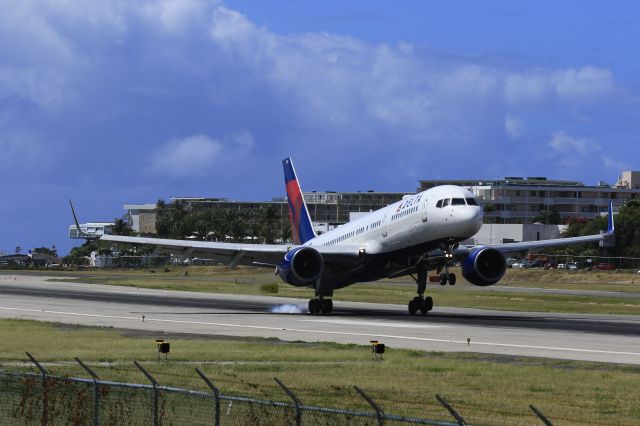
pixel 299 330
pixel 372 323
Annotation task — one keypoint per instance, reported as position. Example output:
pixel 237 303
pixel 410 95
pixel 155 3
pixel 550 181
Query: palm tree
pixel 268 221
pixel 121 227
pixel 202 228
pixel 235 224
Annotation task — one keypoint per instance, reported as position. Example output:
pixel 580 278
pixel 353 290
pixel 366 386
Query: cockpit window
pixel 439 203
pixel 457 202
pixel 472 201
pixel 446 202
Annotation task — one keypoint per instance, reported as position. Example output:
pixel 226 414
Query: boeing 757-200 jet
pixel 422 232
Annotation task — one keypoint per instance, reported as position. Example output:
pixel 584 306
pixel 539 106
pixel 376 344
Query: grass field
pixel 486 389
pixel 257 281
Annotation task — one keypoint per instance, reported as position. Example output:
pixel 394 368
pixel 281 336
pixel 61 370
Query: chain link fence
pixel 48 400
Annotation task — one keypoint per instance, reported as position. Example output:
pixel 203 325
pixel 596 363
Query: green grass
pixel 257 281
pixel 486 389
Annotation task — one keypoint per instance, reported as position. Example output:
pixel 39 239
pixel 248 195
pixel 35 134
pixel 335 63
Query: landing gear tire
pixel 314 306
pixel 452 279
pixel 320 306
pixel 428 303
pixel 426 306
pixel 414 305
pixel 326 306
pixel 444 278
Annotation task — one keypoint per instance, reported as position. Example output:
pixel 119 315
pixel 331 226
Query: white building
pixel 141 217
pixel 92 229
pixel 498 233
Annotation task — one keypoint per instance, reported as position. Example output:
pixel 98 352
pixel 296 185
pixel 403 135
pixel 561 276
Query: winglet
pixel 301 227
pixel 75 218
pixel 610 225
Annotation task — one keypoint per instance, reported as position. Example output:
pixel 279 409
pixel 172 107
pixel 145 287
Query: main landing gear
pixel 425 304
pixel 421 303
pixel 320 306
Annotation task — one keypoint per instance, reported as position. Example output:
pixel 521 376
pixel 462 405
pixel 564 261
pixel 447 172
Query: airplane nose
pixel 470 218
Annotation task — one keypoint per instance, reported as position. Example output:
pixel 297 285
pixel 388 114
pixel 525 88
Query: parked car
pixel 604 266
pixel 562 266
pixel 520 265
pixel 517 264
pixel 572 266
pixel 511 261
pixel 534 264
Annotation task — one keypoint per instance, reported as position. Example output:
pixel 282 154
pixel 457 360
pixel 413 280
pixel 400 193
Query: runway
pixel 604 338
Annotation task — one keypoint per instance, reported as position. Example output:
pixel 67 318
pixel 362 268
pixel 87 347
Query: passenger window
pixel 457 202
pixel 472 202
pixel 439 203
pixel 446 202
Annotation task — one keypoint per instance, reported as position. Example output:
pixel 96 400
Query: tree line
pixel 263 225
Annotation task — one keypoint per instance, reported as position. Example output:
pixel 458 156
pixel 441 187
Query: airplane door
pixel 384 225
pixel 425 209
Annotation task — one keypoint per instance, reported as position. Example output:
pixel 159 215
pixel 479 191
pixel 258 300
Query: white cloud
pixel 513 127
pixel 176 16
pixel 525 88
pixel 563 143
pixel 191 156
pixel 243 139
pixel 617 165
pixel 586 83
pixel 46 89
pixel 232 30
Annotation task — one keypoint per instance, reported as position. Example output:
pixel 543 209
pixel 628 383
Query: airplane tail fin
pixel 81 233
pixel 301 228
pixel 610 225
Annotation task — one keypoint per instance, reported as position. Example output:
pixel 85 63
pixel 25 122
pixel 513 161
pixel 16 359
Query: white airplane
pixel 421 232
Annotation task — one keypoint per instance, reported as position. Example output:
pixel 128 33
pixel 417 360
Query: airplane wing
pixel 534 245
pixel 234 254
pixel 556 242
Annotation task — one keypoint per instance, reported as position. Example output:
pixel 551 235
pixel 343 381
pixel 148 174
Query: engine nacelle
pixel 301 266
pixel 484 266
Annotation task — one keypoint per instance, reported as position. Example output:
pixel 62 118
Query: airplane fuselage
pixel 410 227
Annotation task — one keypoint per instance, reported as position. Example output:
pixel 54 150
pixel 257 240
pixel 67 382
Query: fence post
pixel 156 393
pixel 372 403
pixel 453 412
pixel 542 417
pixel 96 391
pixel 295 399
pixel 45 408
pixel 216 397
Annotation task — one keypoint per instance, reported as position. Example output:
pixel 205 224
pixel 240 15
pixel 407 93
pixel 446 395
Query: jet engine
pixel 484 266
pixel 301 266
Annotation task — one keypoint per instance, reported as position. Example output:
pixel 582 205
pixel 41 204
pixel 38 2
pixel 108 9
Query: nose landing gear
pixel 446 276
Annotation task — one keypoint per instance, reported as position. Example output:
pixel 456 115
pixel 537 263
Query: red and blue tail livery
pixel 301 228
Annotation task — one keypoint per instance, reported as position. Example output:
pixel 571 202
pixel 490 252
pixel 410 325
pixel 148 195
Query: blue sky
pixel 114 102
